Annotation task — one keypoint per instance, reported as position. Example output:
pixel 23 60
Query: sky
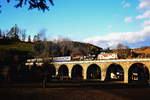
pixel 104 23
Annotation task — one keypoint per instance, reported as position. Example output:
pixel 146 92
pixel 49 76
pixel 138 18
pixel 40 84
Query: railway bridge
pixel 122 70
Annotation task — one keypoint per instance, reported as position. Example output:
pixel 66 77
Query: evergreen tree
pixel 14 33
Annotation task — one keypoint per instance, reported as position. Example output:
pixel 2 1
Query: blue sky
pixel 84 20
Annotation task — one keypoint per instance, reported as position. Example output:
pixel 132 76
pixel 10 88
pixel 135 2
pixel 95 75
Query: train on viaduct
pixel 121 70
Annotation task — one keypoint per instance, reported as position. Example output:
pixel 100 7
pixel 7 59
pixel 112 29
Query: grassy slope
pixel 23 46
pixel 20 46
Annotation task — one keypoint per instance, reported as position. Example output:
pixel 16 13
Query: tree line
pixel 14 34
pixel 17 34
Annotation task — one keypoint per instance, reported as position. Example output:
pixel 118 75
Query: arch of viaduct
pixel 103 65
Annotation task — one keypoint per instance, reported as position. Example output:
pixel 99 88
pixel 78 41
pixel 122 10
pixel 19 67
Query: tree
pixel 14 32
pixel 0 33
pixel 121 46
pixel 35 38
pixel 38 37
pixel 23 35
pixel 123 51
pixel 29 38
pixel 39 4
pixel 4 33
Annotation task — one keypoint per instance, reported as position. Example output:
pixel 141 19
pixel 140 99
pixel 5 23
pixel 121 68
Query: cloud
pixel 144 4
pixel 146 23
pixel 125 4
pixel 146 14
pixel 128 19
pixel 131 38
pixel 112 39
pixel 59 39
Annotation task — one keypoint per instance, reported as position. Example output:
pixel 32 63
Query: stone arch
pixel 93 72
pixel 138 72
pixel 35 73
pixel 50 70
pixel 63 72
pixel 76 72
pixel 115 72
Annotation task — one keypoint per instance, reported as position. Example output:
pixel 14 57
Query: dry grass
pixel 143 51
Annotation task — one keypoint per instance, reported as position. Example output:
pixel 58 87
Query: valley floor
pixel 74 93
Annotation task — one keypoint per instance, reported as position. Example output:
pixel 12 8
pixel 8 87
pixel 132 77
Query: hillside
pixel 142 50
pixel 64 48
pixel 20 46
pixel 77 48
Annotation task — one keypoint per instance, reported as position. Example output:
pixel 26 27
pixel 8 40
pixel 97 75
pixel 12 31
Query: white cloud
pixel 130 38
pixel 112 39
pixel 146 23
pixel 128 19
pixel 145 15
pixel 144 4
pixel 125 4
pixel 59 39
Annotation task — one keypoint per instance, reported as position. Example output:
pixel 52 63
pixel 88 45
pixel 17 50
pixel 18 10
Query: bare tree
pixel 41 34
pixel 36 38
pixel 121 46
pixel 29 38
pixel 23 35
pixel 123 51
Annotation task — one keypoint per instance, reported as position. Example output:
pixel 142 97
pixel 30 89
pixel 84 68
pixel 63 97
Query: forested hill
pixel 72 48
pixel 63 48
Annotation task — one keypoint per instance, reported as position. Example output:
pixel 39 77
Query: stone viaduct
pixel 125 69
